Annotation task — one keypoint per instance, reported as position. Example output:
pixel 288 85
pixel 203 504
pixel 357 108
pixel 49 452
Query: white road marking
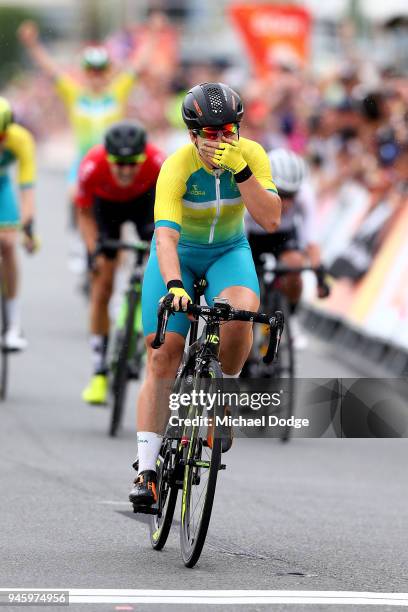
pixel 237 597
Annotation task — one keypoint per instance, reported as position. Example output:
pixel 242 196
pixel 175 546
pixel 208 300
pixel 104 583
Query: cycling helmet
pixel 288 170
pixel 125 139
pixel 95 58
pixel 211 105
pixel 6 115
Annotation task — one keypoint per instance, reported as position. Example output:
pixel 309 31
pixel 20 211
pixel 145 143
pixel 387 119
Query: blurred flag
pixel 273 34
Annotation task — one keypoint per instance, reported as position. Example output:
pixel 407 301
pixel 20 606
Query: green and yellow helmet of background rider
pixel 6 115
pixel 95 58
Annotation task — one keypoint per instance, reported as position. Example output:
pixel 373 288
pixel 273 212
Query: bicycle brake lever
pixel 163 313
pixel 274 338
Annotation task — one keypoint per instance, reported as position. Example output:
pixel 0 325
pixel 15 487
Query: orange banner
pixel 273 34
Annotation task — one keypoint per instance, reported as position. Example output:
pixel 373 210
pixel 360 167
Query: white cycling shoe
pixel 14 340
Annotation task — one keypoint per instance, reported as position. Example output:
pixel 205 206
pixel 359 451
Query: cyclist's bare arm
pixel 169 264
pixel 264 206
pixel 88 228
pixel 166 245
pixel 29 36
pixel 27 205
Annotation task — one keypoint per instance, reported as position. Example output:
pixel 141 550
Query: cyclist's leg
pixel 9 224
pixel 108 224
pixel 162 363
pixel 161 368
pixel 292 283
pixel 141 214
pixel 233 276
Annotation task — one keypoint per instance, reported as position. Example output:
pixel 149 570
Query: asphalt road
pixel 317 514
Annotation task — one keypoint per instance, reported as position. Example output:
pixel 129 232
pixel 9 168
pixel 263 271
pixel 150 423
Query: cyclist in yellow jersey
pixel 16 146
pixel 202 192
pixel 95 103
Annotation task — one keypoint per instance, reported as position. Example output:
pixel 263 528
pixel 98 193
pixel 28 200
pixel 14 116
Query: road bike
pixel 190 456
pixel 270 275
pixel 128 348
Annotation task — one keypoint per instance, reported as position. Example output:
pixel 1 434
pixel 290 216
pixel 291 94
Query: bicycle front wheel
pixel 202 459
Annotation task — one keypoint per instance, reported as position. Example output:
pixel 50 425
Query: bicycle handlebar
pixel 222 312
pixel 281 269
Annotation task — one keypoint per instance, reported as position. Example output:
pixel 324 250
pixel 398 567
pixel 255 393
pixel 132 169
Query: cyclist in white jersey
pixel 295 243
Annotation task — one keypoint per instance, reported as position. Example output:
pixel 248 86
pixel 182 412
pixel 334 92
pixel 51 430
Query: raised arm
pixel 253 178
pixel 29 36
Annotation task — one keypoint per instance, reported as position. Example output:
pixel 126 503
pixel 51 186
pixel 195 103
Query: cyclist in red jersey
pixel 117 183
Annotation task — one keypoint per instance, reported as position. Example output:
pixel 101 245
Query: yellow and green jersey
pixel 90 114
pixel 18 146
pixel 206 206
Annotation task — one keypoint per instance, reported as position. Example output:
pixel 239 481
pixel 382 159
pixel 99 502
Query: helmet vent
pixel 216 101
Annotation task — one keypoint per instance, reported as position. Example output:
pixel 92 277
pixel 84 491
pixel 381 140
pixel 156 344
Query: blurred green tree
pixel 12 56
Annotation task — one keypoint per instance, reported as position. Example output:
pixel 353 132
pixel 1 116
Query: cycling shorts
pixel 110 216
pixel 224 265
pixel 276 243
pixel 9 208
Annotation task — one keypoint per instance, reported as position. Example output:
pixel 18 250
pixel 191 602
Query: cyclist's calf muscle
pixel 161 369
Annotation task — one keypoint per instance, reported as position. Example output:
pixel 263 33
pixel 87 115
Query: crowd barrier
pixel 368 314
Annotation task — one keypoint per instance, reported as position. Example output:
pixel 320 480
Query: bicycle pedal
pixel 223 466
pixel 145 509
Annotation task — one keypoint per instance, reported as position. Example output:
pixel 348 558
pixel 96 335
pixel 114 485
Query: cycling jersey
pixel 96 179
pixel 206 206
pixel 299 219
pixel 91 114
pixel 18 146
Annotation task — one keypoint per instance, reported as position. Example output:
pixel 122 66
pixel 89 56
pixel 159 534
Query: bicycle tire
pixel 160 524
pixel 191 550
pixel 4 352
pixel 119 377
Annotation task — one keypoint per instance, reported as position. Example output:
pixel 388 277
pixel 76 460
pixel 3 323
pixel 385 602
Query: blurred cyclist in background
pixel 117 183
pixel 16 145
pixel 294 244
pixel 93 102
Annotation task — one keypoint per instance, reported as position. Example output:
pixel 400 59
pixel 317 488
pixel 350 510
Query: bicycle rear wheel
pixel 201 465
pixel 3 350
pixel 167 491
pixel 123 342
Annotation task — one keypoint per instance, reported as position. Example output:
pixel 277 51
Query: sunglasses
pixel 132 160
pixel 214 133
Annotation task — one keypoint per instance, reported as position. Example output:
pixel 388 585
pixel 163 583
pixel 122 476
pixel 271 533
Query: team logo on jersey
pixel 195 191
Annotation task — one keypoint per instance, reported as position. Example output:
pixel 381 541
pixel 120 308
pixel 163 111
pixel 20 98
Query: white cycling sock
pixel 13 312
pixel 231 375
pixel 148 446
pixel 99 346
